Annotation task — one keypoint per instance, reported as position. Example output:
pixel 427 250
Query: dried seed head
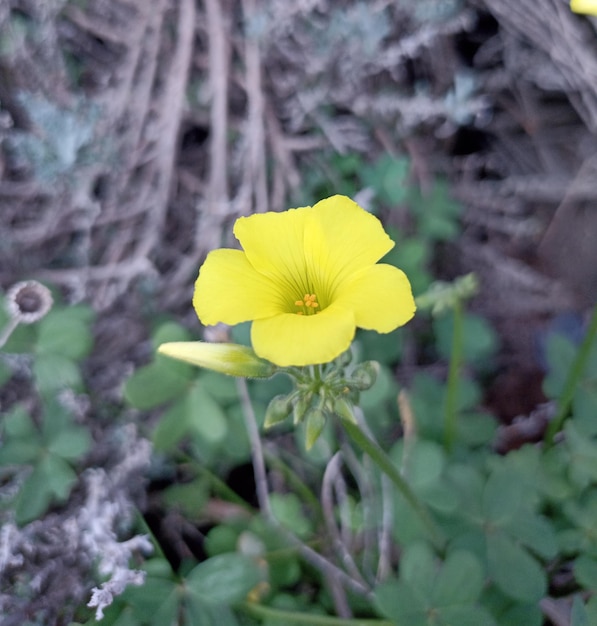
pixel 28 301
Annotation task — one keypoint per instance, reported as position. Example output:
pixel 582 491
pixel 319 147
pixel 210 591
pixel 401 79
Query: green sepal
pixel 278 409
pixel 315 422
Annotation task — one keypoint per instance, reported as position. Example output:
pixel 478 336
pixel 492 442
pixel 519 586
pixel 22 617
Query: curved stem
pixel 451 407
pixel 256 448
pixel 7 331
pixel 574 374
pixel 291 617
pixel 383 461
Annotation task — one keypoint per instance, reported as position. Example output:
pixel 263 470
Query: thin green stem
pixel 293 617
pixel 574 375
pixel 383 461
pixel 451 406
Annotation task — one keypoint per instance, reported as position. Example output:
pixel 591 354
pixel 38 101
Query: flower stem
pixel 381 459
pixel 574 374
pixel 256 448
pixel 7 331
pixel 451 406
pixel 294 617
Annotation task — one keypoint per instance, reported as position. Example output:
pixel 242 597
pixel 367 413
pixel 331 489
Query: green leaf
pixel 288 510
pixel 20 451
pixel 169 331
pixel 579 615
pixel 583 456
pixel 221 539
pixel 383 389
pixel 172 426
pixel 436 212
pixel 54 372
pixel 418 568
pixel 189 498
pixel 65 332
pixel 425 462
pixel 476 429
pixel 388 177
pixel 33 498
pixel 535 532
pixel 503 496
pixel 224 579
pixel 402 603
pixel 585 409
pixel 155 384
pixel 71 444
pixel 585 572
pixel 148 599
pixel 126 618
pixel 560 356
pixel 517 614
pixel 462 616
pixel 59 475
pixel 205 416
pixel 18 423
pixel 514 570
pixel 222 388
pixel 459 582
pixel 480 341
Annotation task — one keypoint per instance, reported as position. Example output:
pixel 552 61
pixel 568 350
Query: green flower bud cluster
pixel 321 392
pixel 443 296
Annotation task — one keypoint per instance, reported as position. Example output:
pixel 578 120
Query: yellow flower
pixel 584 6
pixel 306 278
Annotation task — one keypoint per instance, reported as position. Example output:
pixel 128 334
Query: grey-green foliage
pixel 61 137
pixel 205 597
pixel 40 442
pixel 49 451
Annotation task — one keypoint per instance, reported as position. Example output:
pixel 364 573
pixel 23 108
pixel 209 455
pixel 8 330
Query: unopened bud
pixel 301 407
pixel 344 410
pixel 314 421
pixel 364 375
pixel 226 358
pixel 278 409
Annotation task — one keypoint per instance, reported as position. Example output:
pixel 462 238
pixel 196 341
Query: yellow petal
pixel 584 6
pixel 226 358
pixel 229 290
pixel 274 245
pixel 291 339
pixel 342 239
pixel 380 297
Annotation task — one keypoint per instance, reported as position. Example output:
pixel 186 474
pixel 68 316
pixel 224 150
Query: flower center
pixel 308 305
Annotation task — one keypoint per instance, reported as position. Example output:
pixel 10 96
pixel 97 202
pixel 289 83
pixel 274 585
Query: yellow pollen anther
pixel 309 301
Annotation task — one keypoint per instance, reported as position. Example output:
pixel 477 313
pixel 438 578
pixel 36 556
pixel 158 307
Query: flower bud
pixel 314 421
pixel 226 358
pixel 364 375
pixel 278 409
pixel 301 406
pixel 343 409
pixel 345 358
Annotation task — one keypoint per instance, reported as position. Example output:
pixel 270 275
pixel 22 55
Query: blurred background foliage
pixel 132 135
